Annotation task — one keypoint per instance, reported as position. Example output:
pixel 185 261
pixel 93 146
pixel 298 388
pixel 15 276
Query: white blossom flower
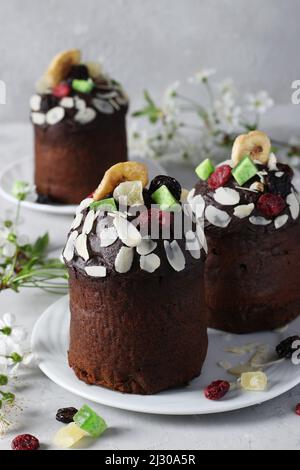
pixel 138 141
pixel 170 107
pixel 9 331
pixel 9 250
pixel 226 87
pixel 228 114
pixel 259 103
pixel 202 76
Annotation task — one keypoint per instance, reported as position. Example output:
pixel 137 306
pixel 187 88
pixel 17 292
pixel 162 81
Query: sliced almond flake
pixel 279 174
pixel 174 255
pixel 102 224
pixel 238 370
pixel 251 189
pixel 257 187
pixel 201 236
pixel 146 247
pixel 122 100
pixel 67 102
pixel 227 162
pixel 225 365
pixel 150 263
pixel 108 237
pixel 38 118
pixel 259 221
pixel 217 217
pixel 55 115
pixel 241 212
pixel 35 102
pixel 191 195
pixel 84 116
pixel 89 222
pixel 272 165
pixel 227 196
pixel 193 244
pixel 68 253
pixel 241 350
pixel 124 260
pixel 84 205
pixel 261 355
pixel 197 204
pixel 282 329
pixel 293 203
pixel 281 221
pixel 80 104
pixel 77 221
pixel 96 271
pixel 107 96
pixel 184 196
pixel 81 247
pixel 115 105
pixel 127 232
pixel 102 106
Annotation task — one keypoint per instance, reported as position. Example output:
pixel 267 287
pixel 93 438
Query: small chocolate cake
pixel 251 210
pixel 135 290
pixel 79 123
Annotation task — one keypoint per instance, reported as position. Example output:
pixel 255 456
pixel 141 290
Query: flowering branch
pixel 185 129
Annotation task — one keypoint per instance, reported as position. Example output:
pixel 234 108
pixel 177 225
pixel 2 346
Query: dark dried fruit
pixel 271 205
pixel 48 102
pixel 297 410
pixel 79 72
pixel 280 185
pixel 217 390
pixel 62 90
pixel 25 442
pixel 66 415
pixel 171 183
pixel 220 177
pixel 285 349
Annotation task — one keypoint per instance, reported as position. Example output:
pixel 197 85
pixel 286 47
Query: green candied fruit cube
pixel 88 420
pixel 164 198
pixel 108 205
pixel 83 86
pixel 244 171
pixel 205 169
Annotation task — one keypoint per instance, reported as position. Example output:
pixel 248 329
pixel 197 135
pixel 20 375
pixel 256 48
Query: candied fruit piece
pixel 271 205
pixel 220 177
pixel 164 198
pixel 205 169
pixel 83 86
pixel 62 90
pixel 217 390
pixel 108 205
pixel 244 171
pixel 89 421
pixel 254 381
pixel 171 183
pixel 130 192
pixel 69 435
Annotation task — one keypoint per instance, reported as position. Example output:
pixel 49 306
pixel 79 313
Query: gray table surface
pixel 270 426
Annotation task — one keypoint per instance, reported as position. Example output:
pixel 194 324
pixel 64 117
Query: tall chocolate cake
pixel 79 117
pixel 251 211
pixel 135 290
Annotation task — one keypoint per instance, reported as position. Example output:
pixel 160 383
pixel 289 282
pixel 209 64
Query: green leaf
pixel 148 99
pixel 41 245
pixel 3 380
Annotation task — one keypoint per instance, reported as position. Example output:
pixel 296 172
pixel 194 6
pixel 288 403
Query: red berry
pixel 297 410
pixel 220 177
pixel 155 215
pixel 271 205
pixel 25 442
pixel 217 390
pixel 62 90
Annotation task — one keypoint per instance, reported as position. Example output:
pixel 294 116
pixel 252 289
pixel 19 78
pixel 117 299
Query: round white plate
pixel 23 170
pixel 50 344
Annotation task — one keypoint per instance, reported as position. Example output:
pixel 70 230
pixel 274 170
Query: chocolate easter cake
pixel 251 211
pixel 79 118
pixel 136 284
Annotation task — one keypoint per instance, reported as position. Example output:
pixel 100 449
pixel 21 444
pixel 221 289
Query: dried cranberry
pixel 171 183
pixel 217 390
pixel 66 415
pixel 154 216
pixel 25 442
pixel 220 177
pixel 62 90
pixel 271 205
pixel 79 72
pixel 297 410
pixel 285 349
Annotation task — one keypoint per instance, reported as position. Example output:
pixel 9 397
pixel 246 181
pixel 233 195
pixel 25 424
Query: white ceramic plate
pixel 23 170
pixel 50 344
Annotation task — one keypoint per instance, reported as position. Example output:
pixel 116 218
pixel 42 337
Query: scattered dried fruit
pixel 256 145
pixel 79 72
pixel 254 381
pixel 297 410
pixel 25 442
pixel 171 183
pixel 285 349
pixel 126 171
pixel 220 177
pixel 61 90
pixel 205 169
pixel 69 435
pixel 66 415
pixel 271 205
pixel 281 185
pixel 244 171
pixel 89 421
pixel 217 390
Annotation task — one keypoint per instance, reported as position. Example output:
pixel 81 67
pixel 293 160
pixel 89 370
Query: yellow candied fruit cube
pixel 69 435
pixel 254 381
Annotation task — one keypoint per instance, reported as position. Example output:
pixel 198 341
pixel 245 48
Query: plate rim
pixel 220 407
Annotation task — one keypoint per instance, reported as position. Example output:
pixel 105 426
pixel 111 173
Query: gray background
pixel 150 43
